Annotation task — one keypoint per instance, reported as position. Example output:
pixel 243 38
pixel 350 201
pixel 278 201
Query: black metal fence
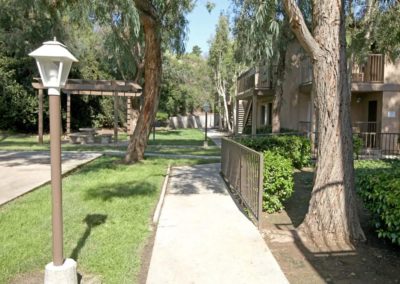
pixel 242 168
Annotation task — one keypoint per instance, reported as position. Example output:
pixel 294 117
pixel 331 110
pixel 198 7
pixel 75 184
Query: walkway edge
pixel 160 203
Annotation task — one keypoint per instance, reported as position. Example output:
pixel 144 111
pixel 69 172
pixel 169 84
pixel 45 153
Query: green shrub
pixel 357 145
pixel 378 184
pixel 266 130
pixel 278 181
pixel 295 148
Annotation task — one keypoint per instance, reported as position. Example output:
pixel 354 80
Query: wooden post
pixel 129 116
pixel 68 114
pixel 254 116
pixel 115 117
pixel 40 117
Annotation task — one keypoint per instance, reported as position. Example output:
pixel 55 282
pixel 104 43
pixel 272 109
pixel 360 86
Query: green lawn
pixel 107 216
pixel 183 137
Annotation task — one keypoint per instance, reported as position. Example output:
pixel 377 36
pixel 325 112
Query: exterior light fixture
pixel 54 62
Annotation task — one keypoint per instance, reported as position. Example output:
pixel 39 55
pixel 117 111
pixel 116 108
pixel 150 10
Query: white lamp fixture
pixel 54 63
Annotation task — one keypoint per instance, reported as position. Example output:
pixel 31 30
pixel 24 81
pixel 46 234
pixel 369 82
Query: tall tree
pixel 261 27
pixel 222 64
pixel 162 21
pixel 332 217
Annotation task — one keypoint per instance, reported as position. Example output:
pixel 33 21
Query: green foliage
pixel 278 181
pixel 295 148
pixel 357 146
pixel 186 84
pixel 266 130
pixel 378 184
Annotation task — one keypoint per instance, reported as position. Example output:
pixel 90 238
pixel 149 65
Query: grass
pixel 198 151
pixel 184 137
pixel 107 210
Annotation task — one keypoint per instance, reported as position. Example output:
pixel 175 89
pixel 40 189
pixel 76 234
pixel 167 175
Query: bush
pixel 357 145
pixel 266 130
pixel 378 184
pixel 278 181
pixel 295 148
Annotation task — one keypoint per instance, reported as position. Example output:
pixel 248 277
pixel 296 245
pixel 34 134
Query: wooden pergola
pixel 114 88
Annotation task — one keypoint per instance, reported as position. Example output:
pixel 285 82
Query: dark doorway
pixel 372 124
pixel 372 115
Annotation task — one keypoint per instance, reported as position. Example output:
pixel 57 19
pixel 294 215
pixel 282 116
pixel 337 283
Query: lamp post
pixel 54 63
pixel 206 108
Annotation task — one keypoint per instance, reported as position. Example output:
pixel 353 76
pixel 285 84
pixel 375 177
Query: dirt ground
pixel 375 261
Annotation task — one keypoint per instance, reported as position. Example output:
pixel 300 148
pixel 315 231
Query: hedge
pixel 278 181
pixel 296 148
pixel 378 184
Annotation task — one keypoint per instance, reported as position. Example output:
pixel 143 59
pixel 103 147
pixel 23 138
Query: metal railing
pixel 379 145
pixel 242 169
pixel 366 126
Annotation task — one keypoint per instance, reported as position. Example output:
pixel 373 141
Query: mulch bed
pixel 374 261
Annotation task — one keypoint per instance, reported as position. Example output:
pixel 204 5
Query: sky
pixel 202 24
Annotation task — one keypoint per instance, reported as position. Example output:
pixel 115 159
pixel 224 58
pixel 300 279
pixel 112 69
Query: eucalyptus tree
pixel 221 61
pixel 332 217
pixel 262 36
pixel 372 26
pixel 163 23
pixel 186 83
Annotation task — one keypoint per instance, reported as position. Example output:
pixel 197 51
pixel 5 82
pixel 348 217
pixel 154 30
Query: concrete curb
pixel 160 203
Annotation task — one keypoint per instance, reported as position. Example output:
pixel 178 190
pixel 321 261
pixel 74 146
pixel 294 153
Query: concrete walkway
pixel 216 136
pixel 21 172
pixel 202 237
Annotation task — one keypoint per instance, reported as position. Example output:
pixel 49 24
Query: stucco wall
pixel 359 110
pixel 392 71
pixel 296 106
pixel 391 103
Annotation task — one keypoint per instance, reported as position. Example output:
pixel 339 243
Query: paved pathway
pixel 202 237
pixel 21 172
pixel 216 136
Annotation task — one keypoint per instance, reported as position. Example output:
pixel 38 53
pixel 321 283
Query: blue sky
pixel 202 24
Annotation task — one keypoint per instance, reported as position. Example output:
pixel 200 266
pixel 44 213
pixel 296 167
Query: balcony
pixel 372 71
pixel 255 79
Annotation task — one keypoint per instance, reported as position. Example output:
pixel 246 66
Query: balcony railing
pixel 372 71
pixel 256 78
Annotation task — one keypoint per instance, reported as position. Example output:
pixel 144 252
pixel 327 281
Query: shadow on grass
pixel 91 220
pixel 107 192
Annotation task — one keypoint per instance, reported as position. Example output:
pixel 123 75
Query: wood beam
pixel 115 118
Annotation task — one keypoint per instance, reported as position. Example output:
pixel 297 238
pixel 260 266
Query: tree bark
pixel 152 78
pixel 332 218
pixel 278 87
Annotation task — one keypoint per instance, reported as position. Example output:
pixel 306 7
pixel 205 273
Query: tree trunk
pixel 278 87
pixel 226 112
pixel 332 219
pixel 152 78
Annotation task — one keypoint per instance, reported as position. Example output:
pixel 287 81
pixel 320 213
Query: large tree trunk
pixel 278 87
pixel 332 219
pixel 152 78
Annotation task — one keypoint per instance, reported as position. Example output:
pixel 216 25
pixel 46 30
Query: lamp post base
pixel 62 274
pixel 205 144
